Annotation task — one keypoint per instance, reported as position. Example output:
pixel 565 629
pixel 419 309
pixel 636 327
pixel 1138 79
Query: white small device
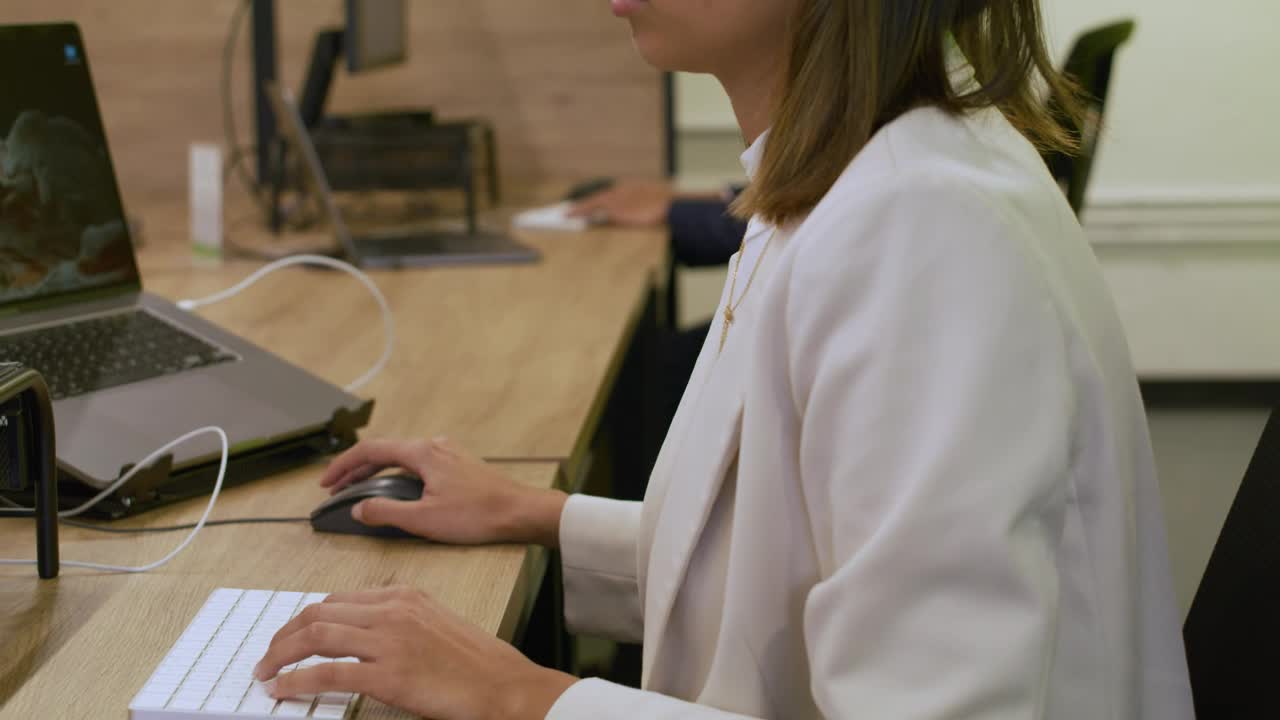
pixel 552 217
pixel 206 201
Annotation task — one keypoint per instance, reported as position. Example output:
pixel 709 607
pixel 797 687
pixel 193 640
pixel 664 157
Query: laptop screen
pixel 62 227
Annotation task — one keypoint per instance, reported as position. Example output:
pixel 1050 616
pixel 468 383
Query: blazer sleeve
pixel 930 373
pixel 598 554
pixel 594 699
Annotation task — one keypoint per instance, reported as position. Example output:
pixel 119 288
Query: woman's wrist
pixel 530 695
pixel 535 516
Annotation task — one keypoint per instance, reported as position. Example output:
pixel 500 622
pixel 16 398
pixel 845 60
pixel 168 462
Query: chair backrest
pixel 1232 632
pixel 1089 64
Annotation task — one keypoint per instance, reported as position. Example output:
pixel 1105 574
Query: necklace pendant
pixel 724 332
pixel 733 285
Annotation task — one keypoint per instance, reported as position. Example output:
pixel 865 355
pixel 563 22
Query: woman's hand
pixel 414 654
pixel 464 500
pixel 629 203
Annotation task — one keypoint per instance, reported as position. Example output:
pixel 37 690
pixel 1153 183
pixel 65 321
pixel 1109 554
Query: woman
pixel 911 476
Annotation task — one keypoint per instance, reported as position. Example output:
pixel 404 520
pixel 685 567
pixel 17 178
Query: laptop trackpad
pixel 149 415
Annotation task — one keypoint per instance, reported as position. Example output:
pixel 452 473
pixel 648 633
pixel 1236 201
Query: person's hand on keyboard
pixel 464 500
pixel 414 654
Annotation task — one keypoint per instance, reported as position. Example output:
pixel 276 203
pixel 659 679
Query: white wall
pixel 1194 109
pixel 1195 104
pixel 701 105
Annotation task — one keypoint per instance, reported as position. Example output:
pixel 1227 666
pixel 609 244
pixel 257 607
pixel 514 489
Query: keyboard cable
pixel 388 321
pixel 195 529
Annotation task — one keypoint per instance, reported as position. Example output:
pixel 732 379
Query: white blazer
pixel 916 484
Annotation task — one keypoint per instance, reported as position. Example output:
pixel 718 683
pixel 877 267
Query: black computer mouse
pixel 584 190
pixel 334 514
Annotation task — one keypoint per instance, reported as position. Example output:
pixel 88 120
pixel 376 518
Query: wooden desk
pixel 514 362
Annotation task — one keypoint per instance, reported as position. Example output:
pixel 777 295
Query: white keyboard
pixel 208 674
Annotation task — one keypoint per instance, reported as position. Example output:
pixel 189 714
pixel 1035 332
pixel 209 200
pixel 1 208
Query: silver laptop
pixel 128 371
pixel 418 249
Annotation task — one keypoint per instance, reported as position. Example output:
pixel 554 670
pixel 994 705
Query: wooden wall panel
pixel 558 78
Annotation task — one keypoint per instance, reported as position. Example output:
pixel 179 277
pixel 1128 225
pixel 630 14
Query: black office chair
pixel 1090 63
pixel 1233 630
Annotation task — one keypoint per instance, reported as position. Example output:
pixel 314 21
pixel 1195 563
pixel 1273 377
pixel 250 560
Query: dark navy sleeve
pixel 703 232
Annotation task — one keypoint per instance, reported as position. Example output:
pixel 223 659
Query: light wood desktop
pixel 514 362
pixel 509 361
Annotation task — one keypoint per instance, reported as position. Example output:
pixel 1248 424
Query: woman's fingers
pixel 601 201
pixel 364 472
pixel 346 677
pixel 376 597
pixel 323 639
pixel 353 615
pixel 373 453
pixel 408 515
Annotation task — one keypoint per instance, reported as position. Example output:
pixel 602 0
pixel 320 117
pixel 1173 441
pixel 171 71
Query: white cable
pixel 146 463
pixel 388 322
pixel 217 488
pixel 190 305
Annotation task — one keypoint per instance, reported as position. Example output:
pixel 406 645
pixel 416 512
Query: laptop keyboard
pixel 107 351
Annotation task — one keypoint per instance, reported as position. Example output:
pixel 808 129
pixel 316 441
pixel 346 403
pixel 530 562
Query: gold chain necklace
pixel 729 306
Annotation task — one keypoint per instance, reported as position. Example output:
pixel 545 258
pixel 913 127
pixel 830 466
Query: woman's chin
pixel 662 54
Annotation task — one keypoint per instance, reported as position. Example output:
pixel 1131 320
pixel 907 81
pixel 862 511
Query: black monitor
pixel 377 34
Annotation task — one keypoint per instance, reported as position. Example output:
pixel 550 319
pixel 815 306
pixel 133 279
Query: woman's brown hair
pixel 856 65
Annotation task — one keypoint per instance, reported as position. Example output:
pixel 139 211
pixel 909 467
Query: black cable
pixel 234 160
pixel 21 512
pixel 188 526
pixel 235 155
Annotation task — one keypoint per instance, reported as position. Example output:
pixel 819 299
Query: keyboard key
pixel 293 708
pixel 254 704
pixel 150 701
pixel 224 595
pixel 222 704
pixel 330 712
pixel 258 596
pixel 257 700
pixel 159 688
pixel 187 701
pixel 200 686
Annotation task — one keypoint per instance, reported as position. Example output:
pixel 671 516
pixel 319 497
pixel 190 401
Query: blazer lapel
pixel 692 478
pixel 700 449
